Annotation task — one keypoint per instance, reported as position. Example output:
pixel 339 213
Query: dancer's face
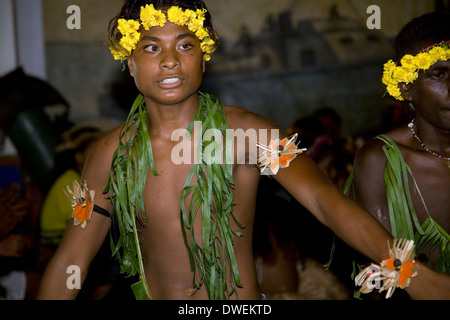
pixel 430 94
pixel 167 64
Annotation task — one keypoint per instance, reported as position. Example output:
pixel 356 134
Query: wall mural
pixel 282 60
pixel 292 67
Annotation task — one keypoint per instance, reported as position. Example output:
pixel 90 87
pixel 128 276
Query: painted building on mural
pixel 284 45
pixel 292 68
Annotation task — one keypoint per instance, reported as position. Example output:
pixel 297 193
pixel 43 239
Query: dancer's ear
pixel 405 89
pixel 130 66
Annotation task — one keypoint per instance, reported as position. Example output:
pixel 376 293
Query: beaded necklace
pixel 424 147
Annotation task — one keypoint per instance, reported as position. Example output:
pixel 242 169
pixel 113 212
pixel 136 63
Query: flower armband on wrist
pixel 392 273
pixel 278 154
pixel 82 201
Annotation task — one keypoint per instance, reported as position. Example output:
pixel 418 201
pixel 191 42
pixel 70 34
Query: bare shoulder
pixel 369 166
pixel 98 164
pixel 372 154
pixel 241 118
pixel 105 147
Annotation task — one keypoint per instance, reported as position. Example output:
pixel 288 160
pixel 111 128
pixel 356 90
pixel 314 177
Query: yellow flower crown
pixel 409 67
pixel 150 17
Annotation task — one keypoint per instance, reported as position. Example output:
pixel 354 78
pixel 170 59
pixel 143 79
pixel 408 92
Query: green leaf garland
pixel 210 186
pixel 429 235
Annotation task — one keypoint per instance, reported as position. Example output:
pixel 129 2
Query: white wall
pixel 22 37
pixel 30 37
pixel 22 44
pixel 8 58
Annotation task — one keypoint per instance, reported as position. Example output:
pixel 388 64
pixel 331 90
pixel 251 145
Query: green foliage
pixel 398 196
pixel 129 170
pixel 429 235
pixel 212 192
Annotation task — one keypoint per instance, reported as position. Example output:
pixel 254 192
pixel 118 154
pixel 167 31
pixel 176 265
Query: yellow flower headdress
pixel 150 17
pixel 409 67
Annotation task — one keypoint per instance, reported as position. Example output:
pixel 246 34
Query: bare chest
pixel 430 189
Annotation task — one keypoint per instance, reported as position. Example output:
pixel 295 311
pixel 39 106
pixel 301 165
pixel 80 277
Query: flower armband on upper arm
pixel 278 154
pixel 82 201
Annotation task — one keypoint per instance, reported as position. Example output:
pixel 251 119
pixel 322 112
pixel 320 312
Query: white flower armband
pixel 392 273
pixel 278 154
pixel 82 201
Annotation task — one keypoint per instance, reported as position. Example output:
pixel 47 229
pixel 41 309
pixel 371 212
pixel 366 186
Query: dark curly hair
pixel 132 9
pixel 421 33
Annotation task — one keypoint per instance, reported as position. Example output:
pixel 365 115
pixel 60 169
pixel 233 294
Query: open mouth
pixel 170 83
pixel 170 80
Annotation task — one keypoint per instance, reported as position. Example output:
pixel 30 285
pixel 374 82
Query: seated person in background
pixel 70 158
pixel 12 211
pixel 13 243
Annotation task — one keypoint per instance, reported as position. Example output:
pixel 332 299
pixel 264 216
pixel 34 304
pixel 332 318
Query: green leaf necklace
pixel 213 261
